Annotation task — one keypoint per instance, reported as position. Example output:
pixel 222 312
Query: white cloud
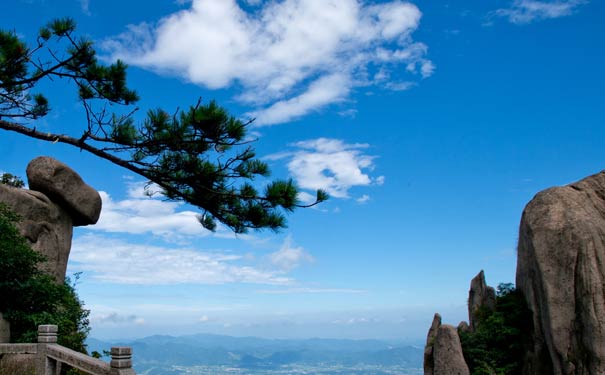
pixel 527 11
pixel 305 197
pixel 399 86
pixel 363 199
pixel 141 214
pixel 116 319
pixel 326 90
pixel 138 216
pixel 289 257
pixel 357 320
pixel 118 261
pixel 85 5
pixel 329 164
pixel 288 57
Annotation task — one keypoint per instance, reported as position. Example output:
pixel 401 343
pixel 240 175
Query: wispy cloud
pixel 115 318
pixel 85 6
pixel 119 261
pixel 323 91
pixel 329 164
pixel 289 257
pixel 363 199
pixel 288 58
pixel 304 290
pixel 528 11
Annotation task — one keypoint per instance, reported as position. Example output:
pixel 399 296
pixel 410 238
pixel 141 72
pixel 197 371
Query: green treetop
pixel 201 155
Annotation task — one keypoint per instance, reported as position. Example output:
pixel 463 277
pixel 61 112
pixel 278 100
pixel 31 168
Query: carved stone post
pixel 47 334
pixel 121 360
pixel 5 330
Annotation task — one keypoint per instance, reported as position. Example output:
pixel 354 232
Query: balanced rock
pixel 66 188
pixel 561 272
pixel 447 352
pixel 480 297
pixel 58 201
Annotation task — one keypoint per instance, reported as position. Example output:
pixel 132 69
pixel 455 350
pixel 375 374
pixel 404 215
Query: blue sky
pixel 431 124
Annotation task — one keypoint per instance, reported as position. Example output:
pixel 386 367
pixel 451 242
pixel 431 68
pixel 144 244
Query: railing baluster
pixel 50 357
pixel 121 360
pixel 47 334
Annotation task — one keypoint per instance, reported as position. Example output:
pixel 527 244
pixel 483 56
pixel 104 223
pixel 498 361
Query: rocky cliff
pixel 561 272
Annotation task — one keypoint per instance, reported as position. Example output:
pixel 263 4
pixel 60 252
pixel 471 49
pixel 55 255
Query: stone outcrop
pixel 443 351
pixel 561 272
pixel 49 215
pixel 480 297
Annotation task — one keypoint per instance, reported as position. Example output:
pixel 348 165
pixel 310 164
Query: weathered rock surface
pixel 46 226
pixel 480 297
pixel 447 352
pixel 48 215
pixel 430 342
pixel 66 188
pixel 561 272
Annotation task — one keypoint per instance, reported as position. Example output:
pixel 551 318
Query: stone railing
pixel 50 356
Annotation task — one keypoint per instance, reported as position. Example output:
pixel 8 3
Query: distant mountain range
pixel 254 353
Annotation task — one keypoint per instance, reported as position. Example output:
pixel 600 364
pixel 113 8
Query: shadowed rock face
pixel 561 272
pixel 49 215
pixel 480 296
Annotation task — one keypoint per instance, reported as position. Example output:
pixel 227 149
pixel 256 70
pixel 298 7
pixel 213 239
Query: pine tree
pixel 201 155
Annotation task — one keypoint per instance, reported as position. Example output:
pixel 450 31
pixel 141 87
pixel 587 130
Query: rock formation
pixel 443 351
pixel 480 296
pixel 446 357
pixel 62 201
pixel 561 272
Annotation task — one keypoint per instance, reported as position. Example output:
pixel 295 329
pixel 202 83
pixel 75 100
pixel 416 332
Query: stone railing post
pixel 121 361
pixel 47 334
pixel 5 330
